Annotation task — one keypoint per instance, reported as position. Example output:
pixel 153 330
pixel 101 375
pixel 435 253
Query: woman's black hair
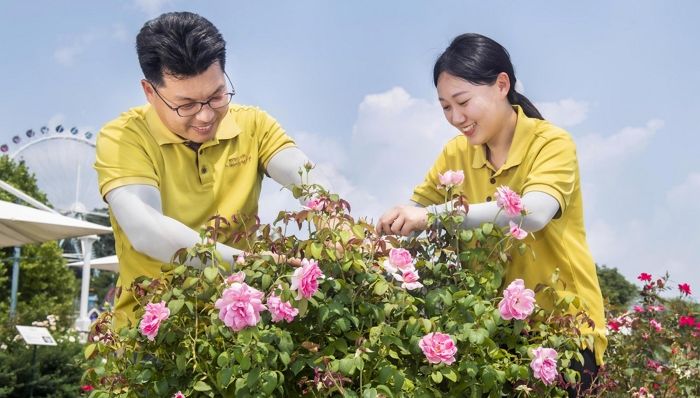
pixel 181 44
pixel 479 60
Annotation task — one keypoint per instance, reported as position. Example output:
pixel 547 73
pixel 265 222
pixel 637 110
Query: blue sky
pixel 351 81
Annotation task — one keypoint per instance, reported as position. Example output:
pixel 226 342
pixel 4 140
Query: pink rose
pixel 686 321
pixel 544 364
pixel 438 347
pixel 179 395
pixel 240 260
pixel 614 325
pixel 517 232
pixel 656 325
pixel 280 310
pixel 401 259
pixel 240 306
pixel 509 201
pixel 238 277
pixel 518 302
pixel 305 279
pixel 644 277
pixel 451 178
pixel 638 308
pixel 315 204
pixel 655 366
pixel 684 288
pixel 410 280
pixel 154 315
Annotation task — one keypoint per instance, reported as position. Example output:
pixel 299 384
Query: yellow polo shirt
pixel 541 158
pixel 223 177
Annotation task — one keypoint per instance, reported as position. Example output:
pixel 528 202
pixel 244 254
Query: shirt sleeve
pixel 271 138
pixel 554 171
pixel 427 193
pixel 121 159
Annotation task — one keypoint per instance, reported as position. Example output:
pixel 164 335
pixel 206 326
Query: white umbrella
pixel 109 263
pixel 21 224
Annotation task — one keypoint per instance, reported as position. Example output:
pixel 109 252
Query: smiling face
pixel 477 111
pixel 177 92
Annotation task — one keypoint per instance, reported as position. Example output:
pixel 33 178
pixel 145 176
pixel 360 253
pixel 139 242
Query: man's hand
pixel 403 220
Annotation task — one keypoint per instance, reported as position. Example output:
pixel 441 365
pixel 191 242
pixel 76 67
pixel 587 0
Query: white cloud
pixel 119 32
pixel 67 54
pixel 151 7
pixel 598 152
pixel 566 113
pixel 662 239
pixel 394 141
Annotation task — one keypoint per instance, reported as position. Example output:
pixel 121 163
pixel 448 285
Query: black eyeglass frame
pixel 201 104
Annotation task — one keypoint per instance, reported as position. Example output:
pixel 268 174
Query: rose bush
pixel 363 315
pixel 654 348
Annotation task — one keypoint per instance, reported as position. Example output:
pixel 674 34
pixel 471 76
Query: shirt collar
pixel 228 128
pixel 518 147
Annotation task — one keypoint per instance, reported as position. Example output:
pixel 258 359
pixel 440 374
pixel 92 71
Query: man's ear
pixel 148 90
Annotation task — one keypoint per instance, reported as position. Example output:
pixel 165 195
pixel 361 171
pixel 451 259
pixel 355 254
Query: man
pixel 166 167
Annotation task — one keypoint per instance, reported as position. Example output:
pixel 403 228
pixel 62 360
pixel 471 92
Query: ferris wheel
pixel 62 160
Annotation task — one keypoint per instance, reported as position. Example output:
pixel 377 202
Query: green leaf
pixel 436 376
pixel 253 377
pixel 487 228
pixel 269 382
pixel 347 366
pixel 266 281
pixel 466 235
pixel 89 350
pixel 202 386
pixel 223 360
pixel 380 288
pixel 189 282
pixel 180 362
pixel 284 358
pixel 450 374
pixel 243 361
pixel 316 249
pixel 211 273
pixel 303 307
pixel 223 377
pixel 358 231
pixel 175 306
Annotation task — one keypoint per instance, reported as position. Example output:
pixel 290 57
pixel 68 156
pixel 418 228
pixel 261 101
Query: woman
pixel 505 141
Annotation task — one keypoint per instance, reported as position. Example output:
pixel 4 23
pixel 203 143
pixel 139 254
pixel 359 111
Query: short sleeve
pixel 271 138
pixel 122 159
pixel 427 193
pixel 554 170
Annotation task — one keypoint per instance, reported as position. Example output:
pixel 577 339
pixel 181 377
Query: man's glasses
pixel 193 108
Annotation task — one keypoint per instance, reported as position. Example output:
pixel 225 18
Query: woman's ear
pixel 503 84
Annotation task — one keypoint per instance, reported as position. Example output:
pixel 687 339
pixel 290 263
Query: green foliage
pixel 617 291
pixel 46 286
pixel 356 336
pixel 56 372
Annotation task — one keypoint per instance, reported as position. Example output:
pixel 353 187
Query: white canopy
pixel 21 224
pixel 109 263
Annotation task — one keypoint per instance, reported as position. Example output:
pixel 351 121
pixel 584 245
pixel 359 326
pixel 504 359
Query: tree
pixel 617 291
pixel 46 285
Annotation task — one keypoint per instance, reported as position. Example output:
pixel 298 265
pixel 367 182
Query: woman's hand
pixel 403 220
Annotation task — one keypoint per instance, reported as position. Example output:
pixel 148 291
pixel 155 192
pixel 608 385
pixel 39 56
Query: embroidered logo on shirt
pixel 237 160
